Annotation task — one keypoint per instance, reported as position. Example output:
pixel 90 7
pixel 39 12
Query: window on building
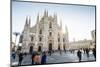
pixel 50 26
pixel 40 32
pixel 58 39
pixel 50 33
pixel 40 39
pixel 31 38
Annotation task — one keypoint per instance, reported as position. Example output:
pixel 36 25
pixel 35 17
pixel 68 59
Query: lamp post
pixel 16 34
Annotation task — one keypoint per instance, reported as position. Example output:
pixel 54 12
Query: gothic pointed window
pixel 64 47
pixel 50 33
pixel 21 39
pixel 58 39
pixel 40 39
pixel 40 31
pixel 32 38
pixel 50 26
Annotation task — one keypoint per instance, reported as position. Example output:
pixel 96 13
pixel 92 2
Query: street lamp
pixel 16 34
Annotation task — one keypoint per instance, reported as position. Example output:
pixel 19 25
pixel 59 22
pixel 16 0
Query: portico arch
pixel 31 47
pixel 59 47
pixel 50 47
pixel 64 46
pixel 40 46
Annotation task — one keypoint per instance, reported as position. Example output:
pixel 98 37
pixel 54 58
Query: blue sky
pixel 80 20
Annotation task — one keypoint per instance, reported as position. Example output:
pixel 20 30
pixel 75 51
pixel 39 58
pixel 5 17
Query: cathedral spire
pixel 55 17
pixel 45 13
pixel 26 21
pixel 60 24
pixel 67 36
pixel 38 18
pixel 29 20
pixel 66 29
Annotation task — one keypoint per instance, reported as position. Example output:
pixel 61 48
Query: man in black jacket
pixel 79 55
pixel 20 58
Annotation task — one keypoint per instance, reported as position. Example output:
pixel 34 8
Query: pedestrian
pixel 43 59
pixel 94 52
pixel 20 58
pixel 79 55
pixel 37 59
pixel 25 53
pixel 84 50
pixel 87 52
pixel 33 55
pixel 14 55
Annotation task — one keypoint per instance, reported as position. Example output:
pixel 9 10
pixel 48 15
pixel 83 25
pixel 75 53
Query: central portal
pixel 31 49
pixel 39 49
pixel 50 46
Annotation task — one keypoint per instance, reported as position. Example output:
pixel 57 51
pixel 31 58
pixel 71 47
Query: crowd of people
pixel 86 51
pixel 40 57
pixel 36 57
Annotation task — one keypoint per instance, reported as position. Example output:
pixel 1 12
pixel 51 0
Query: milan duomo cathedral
pixel 45 35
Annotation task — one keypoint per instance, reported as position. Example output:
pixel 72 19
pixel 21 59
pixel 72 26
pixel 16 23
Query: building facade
pixel 84 43
pixel 45 35
pixel 93 34
pixel 80 44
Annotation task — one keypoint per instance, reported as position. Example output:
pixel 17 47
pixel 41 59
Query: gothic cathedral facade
pixel 45 35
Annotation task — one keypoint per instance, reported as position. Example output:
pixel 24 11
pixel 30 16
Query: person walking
pixel 43 59
pixel 79 55
pixel 20 58
pixel 84 50
pixel 94 52
pixel 14 55
pixel 87 52
pixel 32 58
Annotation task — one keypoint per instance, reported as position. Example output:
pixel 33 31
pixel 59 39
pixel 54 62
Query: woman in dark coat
pixel 20 58
pixel 43 59
pixel 94 52
pixel 87 52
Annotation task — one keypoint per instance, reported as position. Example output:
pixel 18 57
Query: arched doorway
pixel 39 49
pixel 31 49
pixel 64 47
pixel 50 46
pixel 59 47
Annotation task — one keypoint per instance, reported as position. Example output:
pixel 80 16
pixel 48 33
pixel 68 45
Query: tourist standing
pixel 14 55
pixel 79 55
pixel 43 59
pixel 37 59
pixel 20 58
pixel 87 52
pixel 32 58
pixel 94 52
